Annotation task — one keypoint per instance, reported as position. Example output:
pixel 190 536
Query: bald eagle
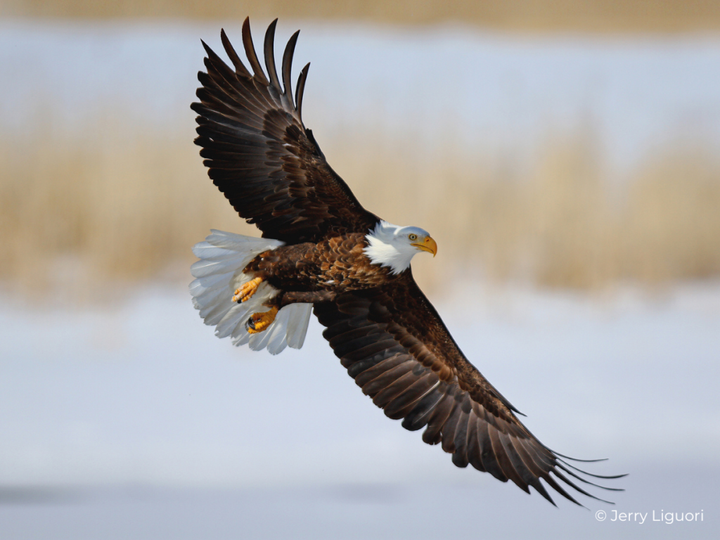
pixel 322 252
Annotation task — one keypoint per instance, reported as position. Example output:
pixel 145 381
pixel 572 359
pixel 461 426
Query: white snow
pixel 139 411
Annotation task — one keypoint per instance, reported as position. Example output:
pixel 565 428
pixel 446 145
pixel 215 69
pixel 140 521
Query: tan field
pixel 81 211
pixel 114 208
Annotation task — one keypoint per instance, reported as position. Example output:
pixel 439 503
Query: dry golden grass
pixel 118 207
pixel 515 15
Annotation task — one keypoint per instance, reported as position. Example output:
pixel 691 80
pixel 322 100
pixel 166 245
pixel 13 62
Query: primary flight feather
pixel 322 252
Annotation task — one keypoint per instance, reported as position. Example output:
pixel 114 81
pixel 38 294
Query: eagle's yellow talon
pixel 258 322
pixel 245 292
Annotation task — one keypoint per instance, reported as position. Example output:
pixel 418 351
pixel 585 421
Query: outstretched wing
pixel 259 153
pixel 396 347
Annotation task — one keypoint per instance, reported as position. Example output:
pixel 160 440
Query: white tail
pixel 223 257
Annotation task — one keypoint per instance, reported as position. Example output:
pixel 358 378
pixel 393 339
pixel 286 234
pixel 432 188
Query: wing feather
pixel 403 403
pixel 270 56
pixel 258 74
pixel 393 343
pixel 287 66
pixel 233 55
pixel 437 419
pixel 258 152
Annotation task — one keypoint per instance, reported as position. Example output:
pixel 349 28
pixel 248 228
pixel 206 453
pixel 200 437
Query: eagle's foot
pixel 245 292
pixel 258 322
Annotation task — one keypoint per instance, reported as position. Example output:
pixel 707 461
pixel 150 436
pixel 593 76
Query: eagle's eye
pixel 413 237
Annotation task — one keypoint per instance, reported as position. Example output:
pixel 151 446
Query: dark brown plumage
pixel 379 323
pixel 261 156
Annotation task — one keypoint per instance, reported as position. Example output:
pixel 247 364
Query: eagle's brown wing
pixel 259 153
pixel 396 347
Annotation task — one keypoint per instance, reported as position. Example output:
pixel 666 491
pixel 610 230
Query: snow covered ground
pixel 136 422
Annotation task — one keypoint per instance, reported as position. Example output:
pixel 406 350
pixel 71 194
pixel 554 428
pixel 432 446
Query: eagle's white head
pixel 394 246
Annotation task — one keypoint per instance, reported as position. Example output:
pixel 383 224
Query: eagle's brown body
pixel 316 253
pixel 330 267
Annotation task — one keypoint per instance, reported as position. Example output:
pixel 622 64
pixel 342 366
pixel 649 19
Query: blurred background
pixel 563 154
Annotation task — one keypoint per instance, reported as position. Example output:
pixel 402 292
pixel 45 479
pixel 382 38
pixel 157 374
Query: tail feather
pixel 259 341
pixel 236 315
pixel 299 317
pixel 277 338
pixel 216 313
pixel 223 256
pixel 209 267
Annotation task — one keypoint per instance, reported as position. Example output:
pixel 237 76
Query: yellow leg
pixel 245 292
pixel 258 322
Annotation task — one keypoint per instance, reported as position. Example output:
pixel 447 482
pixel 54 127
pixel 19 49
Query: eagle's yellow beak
pixel 428 244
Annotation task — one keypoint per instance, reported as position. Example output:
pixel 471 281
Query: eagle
pixel 321 252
